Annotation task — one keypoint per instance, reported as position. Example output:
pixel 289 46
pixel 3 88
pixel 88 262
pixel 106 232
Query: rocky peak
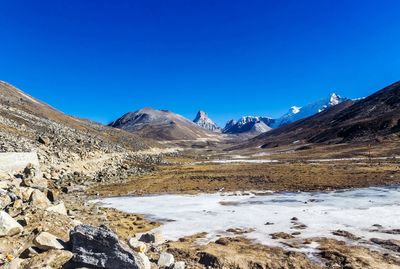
pixel 335 99
pixel 205 122
pixel 229 125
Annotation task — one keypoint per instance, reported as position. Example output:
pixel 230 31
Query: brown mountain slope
pixel 364 120
pixel 27 124
pixel 161 125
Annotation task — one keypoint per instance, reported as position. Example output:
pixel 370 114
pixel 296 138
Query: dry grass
pixel 192 178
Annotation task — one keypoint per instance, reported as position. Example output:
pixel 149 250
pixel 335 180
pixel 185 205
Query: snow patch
pixel 355 211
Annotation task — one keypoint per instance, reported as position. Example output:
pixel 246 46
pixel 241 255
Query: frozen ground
pixel 355 211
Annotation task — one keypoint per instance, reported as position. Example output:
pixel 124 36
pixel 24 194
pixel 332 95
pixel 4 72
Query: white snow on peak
pixel 205 122
pixel 334 100
pixel 295 109
pixel 296 113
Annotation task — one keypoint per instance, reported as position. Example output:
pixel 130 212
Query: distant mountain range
pixel 257 125
pixel 373 118
pixel 29 122
pixel 166 125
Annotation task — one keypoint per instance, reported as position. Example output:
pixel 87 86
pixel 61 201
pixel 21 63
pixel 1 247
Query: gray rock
pixel 46 241
pixel 166 260
pixel 99 246
pixel 145 261
pixel 152 237
pixel 5 200
pixel 8 225
pixel 179 265
pixel 59 208
pixel 137 245
pixel 39 199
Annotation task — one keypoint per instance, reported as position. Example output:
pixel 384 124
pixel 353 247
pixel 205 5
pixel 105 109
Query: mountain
pixel 248 124
pixel 367 119
pixel 258 125
pixel 160 125
pixel 205 122
pixel 69 145
pixel 296 113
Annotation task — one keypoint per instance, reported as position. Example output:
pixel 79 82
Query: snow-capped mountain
pixel 296 113
pixel 205 122
pixel 263 124
pixel 250 124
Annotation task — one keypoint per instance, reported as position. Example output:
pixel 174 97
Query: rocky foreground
pixel 37 231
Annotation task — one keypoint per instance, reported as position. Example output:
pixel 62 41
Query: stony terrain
pixel 38 231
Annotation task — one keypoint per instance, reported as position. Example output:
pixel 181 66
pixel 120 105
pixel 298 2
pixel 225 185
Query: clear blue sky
pixel 99 59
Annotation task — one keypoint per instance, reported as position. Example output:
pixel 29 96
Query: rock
pixel 99 246
pixel 39 199
pixel 28 253
pixel 35 182
pixel 179 265
pixel 46 241
pixel 25 192
pixel 59 208
pixel 4 175
pixel 8 225
pixel 145 261
pixel 52 195
pixel 44 140
pixel 136 245
pixel 209 260
pixel 71 189
pixel 281 235
pixel 345 234
pixel 5 184
pixel 391 244
pixel 5 200
pixel 165 260
pixel 153 238
pixel 50 259
pixel 31 171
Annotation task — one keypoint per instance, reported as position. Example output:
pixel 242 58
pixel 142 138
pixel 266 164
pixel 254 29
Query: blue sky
pixel 99 59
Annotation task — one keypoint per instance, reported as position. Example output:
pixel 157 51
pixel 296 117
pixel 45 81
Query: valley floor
pixel 242 176
pixel 200 174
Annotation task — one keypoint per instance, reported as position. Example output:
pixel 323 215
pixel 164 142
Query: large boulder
pixel 39 199
pixel 99 246
pixel 8 225
pixel 46 241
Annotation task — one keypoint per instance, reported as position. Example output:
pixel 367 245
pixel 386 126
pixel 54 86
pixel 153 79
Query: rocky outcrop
pixel 100 247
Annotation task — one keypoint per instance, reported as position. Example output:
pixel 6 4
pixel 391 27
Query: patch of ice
pixel 355 211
